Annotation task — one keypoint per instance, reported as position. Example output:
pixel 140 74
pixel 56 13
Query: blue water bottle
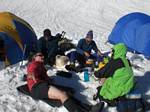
pixel 86 76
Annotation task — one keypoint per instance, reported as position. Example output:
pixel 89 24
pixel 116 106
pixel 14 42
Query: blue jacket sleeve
pixel 79 47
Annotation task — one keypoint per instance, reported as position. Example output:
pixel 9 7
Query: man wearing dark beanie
pixel 84 48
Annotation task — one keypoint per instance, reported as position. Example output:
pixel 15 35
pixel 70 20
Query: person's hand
pixel 86 54
pixel 102 80
pixel 95 78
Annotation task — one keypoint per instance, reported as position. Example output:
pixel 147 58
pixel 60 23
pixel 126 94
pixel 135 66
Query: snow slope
pixel 75 17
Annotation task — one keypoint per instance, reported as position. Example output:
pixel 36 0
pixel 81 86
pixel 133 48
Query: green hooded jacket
pixel 122 81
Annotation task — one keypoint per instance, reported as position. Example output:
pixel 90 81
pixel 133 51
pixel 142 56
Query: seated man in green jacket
pixel 117 75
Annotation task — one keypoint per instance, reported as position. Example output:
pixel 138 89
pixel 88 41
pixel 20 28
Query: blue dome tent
pixel 18 37
pixel 134 31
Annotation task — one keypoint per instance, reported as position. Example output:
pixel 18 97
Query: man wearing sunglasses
pixel 40 88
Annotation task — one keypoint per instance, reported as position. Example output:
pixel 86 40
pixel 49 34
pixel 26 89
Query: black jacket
pixel 109 69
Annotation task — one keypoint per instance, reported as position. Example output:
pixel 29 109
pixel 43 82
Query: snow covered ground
pixel 75 17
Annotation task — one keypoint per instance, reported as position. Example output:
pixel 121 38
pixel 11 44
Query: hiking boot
pixel 80 68
pixel 72 106
pixel 70 67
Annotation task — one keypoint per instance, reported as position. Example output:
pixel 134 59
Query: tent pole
pixel 24 50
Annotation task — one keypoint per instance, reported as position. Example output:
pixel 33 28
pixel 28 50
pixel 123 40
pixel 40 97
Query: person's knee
pixel 62 96
pixel 55 93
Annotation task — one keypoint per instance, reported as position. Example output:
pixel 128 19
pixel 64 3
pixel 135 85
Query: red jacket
pixel 36 73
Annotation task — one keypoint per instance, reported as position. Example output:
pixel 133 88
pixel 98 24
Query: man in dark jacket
pixel 53 48
pixel 48 45
pixel 43 42
pixel 84 48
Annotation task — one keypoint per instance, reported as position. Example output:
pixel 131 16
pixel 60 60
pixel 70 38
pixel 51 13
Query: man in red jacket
pixel 40 87
pixel 38 81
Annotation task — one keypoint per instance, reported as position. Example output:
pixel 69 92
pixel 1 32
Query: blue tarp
pixel 134 31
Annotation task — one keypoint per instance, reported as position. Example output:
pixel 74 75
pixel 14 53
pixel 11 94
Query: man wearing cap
pixel 48 45
pixel 84 48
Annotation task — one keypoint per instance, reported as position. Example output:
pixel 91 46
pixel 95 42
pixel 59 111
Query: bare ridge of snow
pixel 76 17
